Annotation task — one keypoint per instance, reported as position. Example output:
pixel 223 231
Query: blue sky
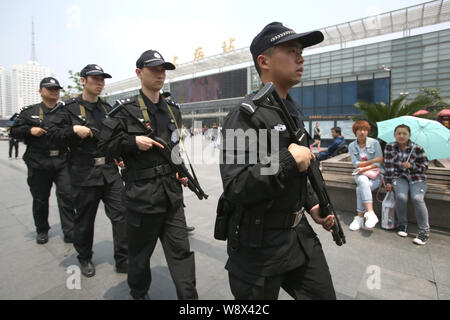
pixel 113 33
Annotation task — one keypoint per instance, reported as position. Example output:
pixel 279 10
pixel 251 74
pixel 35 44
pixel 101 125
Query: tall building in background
pixel 5 93
pixel 25 79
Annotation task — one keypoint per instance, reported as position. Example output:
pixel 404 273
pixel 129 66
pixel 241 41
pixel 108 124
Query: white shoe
pixel 371 219
pixel 357 223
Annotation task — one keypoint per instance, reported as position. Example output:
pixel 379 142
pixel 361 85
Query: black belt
pixel 148 173
pixel 47 152
pixel 280 220
pixel 91 162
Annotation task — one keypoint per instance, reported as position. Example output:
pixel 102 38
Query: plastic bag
pixel 388 211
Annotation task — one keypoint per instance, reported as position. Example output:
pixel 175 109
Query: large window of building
pixel 213 87
pixel 339 98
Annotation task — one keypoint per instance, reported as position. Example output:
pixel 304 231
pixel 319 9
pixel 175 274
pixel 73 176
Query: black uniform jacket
pixel 153 195
pixel 38 150
pixel 83 151
pixel 281 192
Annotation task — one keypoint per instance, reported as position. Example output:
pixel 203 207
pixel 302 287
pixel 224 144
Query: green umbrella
pixel 431 135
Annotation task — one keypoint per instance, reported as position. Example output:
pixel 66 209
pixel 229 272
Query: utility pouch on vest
pixel 224 211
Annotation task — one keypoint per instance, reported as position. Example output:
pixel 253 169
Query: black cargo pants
pixel 40 182
pixel 86 201
pixel 143 232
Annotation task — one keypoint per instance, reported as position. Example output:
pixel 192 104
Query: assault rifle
pixel 177 165
pixel 269 94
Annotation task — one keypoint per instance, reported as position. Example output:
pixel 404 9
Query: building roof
pixel 401 20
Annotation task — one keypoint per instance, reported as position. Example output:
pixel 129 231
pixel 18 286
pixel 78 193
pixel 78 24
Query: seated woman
pixel 406 164
pixel 366 155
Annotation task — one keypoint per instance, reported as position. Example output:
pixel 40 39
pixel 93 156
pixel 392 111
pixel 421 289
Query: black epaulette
pixel 70 101
pixel 127 100
pixel 173 103
pixel 247 106
pixel 26 108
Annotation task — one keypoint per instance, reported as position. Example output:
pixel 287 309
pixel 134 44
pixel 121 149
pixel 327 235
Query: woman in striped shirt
pixel 405 165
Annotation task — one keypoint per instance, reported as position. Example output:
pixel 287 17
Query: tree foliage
pixel 374 112
pixel 74 89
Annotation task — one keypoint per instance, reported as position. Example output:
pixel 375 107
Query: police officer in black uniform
pixel 46 162
pixel 270 242
pixel 153 195
pixel 94 176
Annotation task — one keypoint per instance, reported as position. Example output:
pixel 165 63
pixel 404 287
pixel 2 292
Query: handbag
pixel 388 211
pixel 372 173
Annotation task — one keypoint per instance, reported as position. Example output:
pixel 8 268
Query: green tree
pixel 437 103
pixel 374 112
pixel 75 89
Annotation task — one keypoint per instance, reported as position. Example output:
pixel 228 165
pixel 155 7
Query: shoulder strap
pixel 144 111
pixel 82 112
pixel 41 114
pixel 173 116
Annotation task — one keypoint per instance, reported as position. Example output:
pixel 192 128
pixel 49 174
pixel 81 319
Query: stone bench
pixel 341 186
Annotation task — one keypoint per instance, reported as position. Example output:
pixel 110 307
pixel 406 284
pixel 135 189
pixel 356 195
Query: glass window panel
pixel 414 43
pixel 308 96
pixel 444 38
pixel 444 64
pixel 321 95
pixel 413 57
pixel 381 90
pixel 413 68
pixel 334 110
pixel 429 84
pixel 350 109
pixel 444 83
pixel 444 45
pixel 346 128
pixel 335 94
pixel 430 50
pixel 325 129
pixel 429 72
pixel 427 42
pixel 417 61
pixel 400 53
pixel 413 79
pixel 444 32
pixel 413 74
pixel 429 59
pixel 429 77
pixel 349 90
pixel 444 52
pixel 365 90
pixel 432 35
pixel 296 94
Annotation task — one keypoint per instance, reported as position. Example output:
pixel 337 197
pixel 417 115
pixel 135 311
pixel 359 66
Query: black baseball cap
pixel 94 70
pixel 275 33
pixel 49 82
pixel 152 58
